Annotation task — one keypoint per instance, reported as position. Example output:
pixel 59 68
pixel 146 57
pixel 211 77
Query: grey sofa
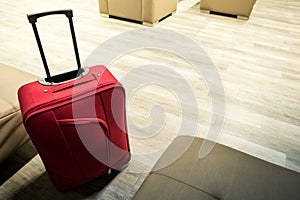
pixel 224 174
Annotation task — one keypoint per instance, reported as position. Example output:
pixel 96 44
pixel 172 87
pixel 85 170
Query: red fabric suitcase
pixel 78 126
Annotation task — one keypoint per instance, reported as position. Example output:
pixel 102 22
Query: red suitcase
pixel 76 120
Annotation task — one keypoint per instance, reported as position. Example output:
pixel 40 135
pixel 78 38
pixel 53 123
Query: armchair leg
pixel 242 17
pixel 150 24
pixel 205 11
pixel 104 15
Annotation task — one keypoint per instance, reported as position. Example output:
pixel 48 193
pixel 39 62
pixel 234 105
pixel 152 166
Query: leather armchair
pixel 241 8
pixel 146 11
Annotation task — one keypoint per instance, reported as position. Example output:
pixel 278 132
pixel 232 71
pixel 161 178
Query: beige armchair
pixel 240 8
pixel 149 12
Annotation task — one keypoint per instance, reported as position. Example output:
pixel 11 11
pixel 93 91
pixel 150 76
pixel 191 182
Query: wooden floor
pixel 258 61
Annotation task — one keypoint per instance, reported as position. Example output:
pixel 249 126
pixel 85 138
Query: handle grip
pixel 61 77
pixel 33 17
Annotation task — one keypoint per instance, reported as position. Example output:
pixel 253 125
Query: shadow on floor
pixel 42 188
pixel 16 161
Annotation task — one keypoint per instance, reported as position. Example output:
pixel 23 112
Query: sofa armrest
pixel 12 131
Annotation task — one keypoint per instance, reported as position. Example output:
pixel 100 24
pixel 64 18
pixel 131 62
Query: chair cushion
pixel 12 132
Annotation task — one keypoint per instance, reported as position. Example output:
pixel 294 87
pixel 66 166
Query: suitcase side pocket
pixel 87 139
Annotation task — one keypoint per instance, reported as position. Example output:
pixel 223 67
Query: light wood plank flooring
pixel 258 61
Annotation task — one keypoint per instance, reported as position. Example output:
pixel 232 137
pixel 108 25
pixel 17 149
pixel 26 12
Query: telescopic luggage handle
pixel 33 17
pixel 61 77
